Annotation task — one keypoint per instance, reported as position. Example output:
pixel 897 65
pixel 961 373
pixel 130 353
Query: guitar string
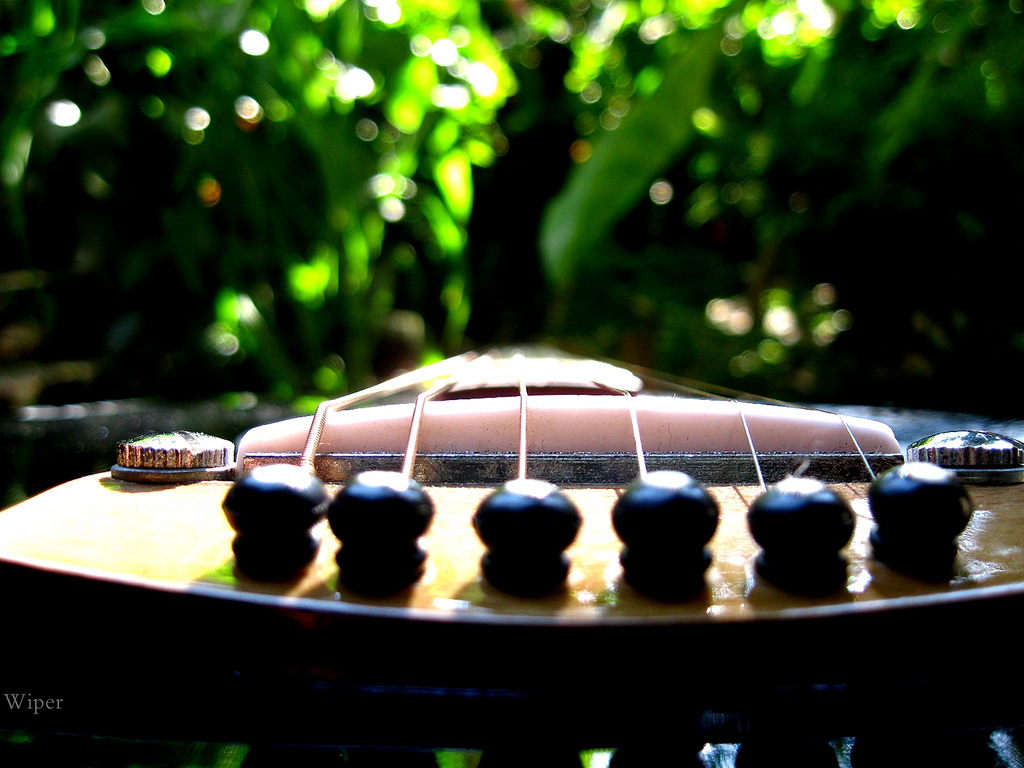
pixel 409 460
pixel 411 451
pixel 705 391
pixel 635 424
pixel 522 428
pixel 750 442
pixel 449 367
pixel 856 444
pixel 404 381
pixel 757 462
pixel 746 429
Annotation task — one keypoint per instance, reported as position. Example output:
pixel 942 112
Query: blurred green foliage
pixel 202 195
pixel 806 198
pixel 842 224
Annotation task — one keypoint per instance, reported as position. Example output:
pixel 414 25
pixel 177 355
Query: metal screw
pixel 174 457
pixel 976 456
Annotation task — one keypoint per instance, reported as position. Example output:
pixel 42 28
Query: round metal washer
pixel 976 456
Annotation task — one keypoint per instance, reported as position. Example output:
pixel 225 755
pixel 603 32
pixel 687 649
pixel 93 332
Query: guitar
pixel 520 543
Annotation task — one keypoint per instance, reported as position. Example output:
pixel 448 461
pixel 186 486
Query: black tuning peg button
pixel 274 510
pixel 801 525
pixel 526 526
pixel 379 518
pixel 665 522
pixel 920 510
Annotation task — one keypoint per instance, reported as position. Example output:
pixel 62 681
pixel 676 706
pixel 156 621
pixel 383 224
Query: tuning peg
pixel 526 525
pixel 801 525
pixel 274 510
pixel 379 518
pixel 919 509
pixel 665 520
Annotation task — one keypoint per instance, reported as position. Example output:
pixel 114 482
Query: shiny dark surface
pixel 378 517
pixel 801 524
pixel 919 502
pixel 666 509
pixel 380 507
pixel 275 499
pixel 919 510
pixel 273 510
pixel 526 526
pixel 270 558
pixel 527 516
pixel 664 522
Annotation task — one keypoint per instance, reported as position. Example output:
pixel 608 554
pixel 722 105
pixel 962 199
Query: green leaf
pixel 409 104
pixel 600 191
pixel 896 127
pixel 449 235
pixel 454 177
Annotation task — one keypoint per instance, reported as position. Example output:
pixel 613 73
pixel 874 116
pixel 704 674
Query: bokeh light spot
pixel 450 96
pixel 159 61
pixel 908 18
pixel 591 92
pixel 707 121
pixel 444 52
pixel 383 184
pixel 824 294
pixel 580 151
pixel 208 191
pixel 391 209
pixel 153 107
pixel 482 78
pixel 781 323
pixel 254 42
pixel 197 119
pixel 661 192
pixel 64 113
pixel 389 12
pixel 731 316
pixel 798 202
pixel 249 112
pixel 420 45
pixel 93 38
pixel 367 130
pixel 96 70
pixel 354 83
pixel 654 28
